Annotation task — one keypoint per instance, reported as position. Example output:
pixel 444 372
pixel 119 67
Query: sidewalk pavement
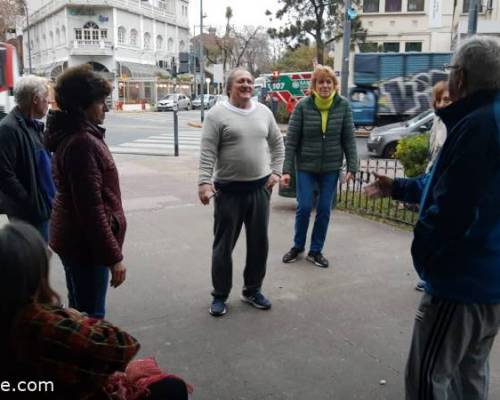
pixel 336 333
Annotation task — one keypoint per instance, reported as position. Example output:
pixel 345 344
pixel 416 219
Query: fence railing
pixel 350 196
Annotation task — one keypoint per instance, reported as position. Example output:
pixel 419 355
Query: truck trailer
pixel 393 87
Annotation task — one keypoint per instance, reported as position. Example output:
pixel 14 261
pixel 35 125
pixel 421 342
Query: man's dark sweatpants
pixel 231 211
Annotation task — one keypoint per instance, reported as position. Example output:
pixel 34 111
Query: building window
pixel 104 34
pixel 121 35
pixel 370 47
pixel 147 41
pixel 170 44
pixel 133 37
pixel 78 34
pixel 465 9
pixel 63 34
pixel 51 36
pixel 415 5
pixel 162 4
pixel 86 34
pixel 413 46
pixel 159 42
pixel 391 47
pixel 58 36
pixel 370 6
pixel 182 46
pixel 392 5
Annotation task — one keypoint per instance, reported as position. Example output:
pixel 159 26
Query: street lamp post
pixel 344 87
pixel 473 13
pixel 202 65
pixel 29 35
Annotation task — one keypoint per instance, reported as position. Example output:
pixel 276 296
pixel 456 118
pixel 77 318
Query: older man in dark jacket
pixel 456 249
pixel 26 188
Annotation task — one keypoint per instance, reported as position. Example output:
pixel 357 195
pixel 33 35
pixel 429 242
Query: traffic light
pixel 183 63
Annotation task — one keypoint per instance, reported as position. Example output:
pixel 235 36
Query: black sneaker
pixel 217 308
pixel 317 259
pixel 258 300
pixel 292 255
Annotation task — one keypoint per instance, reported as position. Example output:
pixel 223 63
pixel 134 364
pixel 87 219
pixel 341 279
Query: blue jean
pixel 307 182
pixel 87 286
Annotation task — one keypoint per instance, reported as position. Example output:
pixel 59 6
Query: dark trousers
pixel 87 286
pixel 231 211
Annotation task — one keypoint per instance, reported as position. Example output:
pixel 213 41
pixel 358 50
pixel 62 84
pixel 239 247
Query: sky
pixel 245 12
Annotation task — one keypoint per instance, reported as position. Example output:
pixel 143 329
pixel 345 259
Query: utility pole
pixel 202 66
pixel 30 69
pixel 473 14
pixel 346 50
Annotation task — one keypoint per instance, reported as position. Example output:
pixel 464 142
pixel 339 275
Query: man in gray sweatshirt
pixel 241 159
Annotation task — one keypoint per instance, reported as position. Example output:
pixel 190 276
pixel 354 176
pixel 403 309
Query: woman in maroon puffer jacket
pixel 88 224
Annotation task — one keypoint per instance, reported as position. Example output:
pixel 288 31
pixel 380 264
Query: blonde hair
pixel 321 72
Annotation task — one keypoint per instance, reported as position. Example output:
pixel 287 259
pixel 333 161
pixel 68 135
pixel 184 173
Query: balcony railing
pixel 91 44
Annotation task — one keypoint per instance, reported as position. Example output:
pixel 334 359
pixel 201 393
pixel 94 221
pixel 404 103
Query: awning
pixel 135 70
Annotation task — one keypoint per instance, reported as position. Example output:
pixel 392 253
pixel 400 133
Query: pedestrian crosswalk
pixel 160 144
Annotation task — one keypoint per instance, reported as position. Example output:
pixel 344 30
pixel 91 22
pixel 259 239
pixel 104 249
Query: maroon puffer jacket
pixel 88 223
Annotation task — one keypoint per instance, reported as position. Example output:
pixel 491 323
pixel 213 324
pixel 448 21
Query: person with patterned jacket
pixel 320 134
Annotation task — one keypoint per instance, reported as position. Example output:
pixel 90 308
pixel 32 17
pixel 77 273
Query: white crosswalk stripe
pixel 160 144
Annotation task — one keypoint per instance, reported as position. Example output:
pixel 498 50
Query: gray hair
pixel 28 87
pixel 231 76
pixel 479 57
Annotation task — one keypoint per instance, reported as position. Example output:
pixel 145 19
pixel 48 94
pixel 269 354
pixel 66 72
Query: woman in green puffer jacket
pixel 320 133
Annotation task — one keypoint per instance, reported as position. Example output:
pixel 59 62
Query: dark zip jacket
pixel 456 248
pixel 315 151
pixel 22 194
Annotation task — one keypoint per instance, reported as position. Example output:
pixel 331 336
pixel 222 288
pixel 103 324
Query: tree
pixel 319 20
pixel 299 59
pixel 10 10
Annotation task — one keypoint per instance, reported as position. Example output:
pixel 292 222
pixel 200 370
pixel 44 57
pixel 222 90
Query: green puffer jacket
pixel 314 151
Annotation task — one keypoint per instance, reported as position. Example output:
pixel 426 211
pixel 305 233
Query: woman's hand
pixel 285 180
pixel 118 274
pixel 349 177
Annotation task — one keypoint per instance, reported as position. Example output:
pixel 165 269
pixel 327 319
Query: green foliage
pixel 299 59
pixel 282 115
pixel 413 152
pixel 318 21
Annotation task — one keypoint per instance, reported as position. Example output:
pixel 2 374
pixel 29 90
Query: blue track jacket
pixel 456 246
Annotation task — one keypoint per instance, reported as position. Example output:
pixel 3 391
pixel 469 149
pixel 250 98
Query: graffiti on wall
pixel 409 95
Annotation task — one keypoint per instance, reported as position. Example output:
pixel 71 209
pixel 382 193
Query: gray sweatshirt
pixel 241 145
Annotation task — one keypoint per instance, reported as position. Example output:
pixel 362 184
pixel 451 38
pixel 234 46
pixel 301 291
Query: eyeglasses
pixel 449 67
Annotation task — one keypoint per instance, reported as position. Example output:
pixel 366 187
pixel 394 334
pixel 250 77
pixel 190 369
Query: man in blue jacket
pixel 26 186
pixel 456 245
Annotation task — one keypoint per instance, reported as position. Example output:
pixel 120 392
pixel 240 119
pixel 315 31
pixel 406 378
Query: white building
pixel 134 43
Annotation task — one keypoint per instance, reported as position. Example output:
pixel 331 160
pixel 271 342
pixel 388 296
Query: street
pixel 152 133
pixel 332 334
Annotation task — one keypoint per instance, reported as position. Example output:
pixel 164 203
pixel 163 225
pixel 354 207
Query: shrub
pixel 282 115
pixel 413 152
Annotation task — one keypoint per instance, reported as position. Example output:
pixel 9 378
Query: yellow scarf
pixel 323 106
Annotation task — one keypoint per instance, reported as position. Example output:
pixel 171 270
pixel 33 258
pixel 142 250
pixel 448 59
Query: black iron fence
pixel 350 196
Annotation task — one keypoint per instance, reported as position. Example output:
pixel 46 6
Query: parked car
pixel 208 101
pixel 383 140
pixel 170 101
pixel 221 97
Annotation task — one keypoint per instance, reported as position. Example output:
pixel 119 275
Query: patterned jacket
pixel 75 352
